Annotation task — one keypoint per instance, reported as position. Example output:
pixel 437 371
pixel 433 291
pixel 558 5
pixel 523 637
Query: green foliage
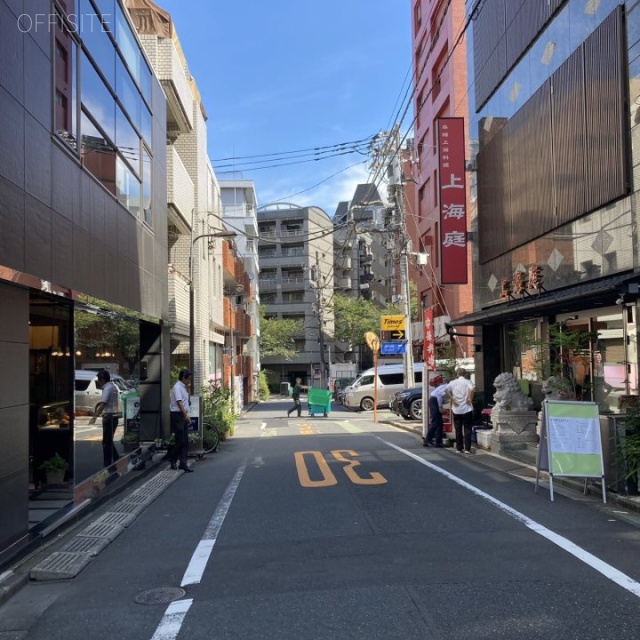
pixel 54 463
pixel 218 407
pixel 629 447
pixel 130 438
pixel 551 354
pixel 355 316
pixel 277 336
pixel 194 438
pixel 117 332
pixel 263 386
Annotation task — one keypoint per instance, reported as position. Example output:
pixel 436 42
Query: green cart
pixel 319 401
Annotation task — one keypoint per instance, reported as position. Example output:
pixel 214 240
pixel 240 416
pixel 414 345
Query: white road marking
pixel 171 622
pixel 581 554
pixel 200 556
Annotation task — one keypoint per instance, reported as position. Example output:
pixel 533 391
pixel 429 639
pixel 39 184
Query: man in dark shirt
pixel 295 394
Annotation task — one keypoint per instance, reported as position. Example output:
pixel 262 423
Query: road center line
pixel 171 622
pixel 200 556
pixel 581 554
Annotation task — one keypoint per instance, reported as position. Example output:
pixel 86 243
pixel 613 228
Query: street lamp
pixel 192 342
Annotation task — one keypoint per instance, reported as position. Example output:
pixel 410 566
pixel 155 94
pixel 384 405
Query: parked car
pixel 407 403
pixel 87 393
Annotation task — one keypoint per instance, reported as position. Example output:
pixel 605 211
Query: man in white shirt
pixel 179 405
pixel 108 409
pixel 461 392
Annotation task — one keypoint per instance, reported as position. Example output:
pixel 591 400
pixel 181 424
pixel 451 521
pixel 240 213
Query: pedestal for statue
pixel 513 429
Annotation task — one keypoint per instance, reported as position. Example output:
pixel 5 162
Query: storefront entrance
pixel 51 425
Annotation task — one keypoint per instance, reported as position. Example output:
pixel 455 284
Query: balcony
pixel 178 303
pixel 179 186
pixel 172 76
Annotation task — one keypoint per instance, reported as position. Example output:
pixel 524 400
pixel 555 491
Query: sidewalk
pixel 572 488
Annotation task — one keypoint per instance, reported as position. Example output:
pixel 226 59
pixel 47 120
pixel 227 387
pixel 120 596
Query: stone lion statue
pixel 508 395
pixel 557 388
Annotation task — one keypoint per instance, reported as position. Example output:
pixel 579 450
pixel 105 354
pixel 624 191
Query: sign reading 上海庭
pixel 453 200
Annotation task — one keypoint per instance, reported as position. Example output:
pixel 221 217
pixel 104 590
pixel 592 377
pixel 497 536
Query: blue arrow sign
pixel 393 348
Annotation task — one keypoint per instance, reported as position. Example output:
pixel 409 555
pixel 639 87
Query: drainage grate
pixel 162 595
pixel 60 565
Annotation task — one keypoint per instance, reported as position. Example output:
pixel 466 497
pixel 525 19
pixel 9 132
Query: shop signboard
pixel 453 200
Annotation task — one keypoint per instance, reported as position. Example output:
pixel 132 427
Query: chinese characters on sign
pixel 453 200
pixel 429 344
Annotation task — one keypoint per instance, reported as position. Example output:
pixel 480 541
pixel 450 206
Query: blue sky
pixel 286 75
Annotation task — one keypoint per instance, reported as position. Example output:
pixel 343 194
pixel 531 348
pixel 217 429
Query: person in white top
pixel 179 406
pixel 461 392
pixel 108 409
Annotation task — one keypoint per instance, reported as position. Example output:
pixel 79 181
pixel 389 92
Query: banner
pixel 429 345
pixel 453 201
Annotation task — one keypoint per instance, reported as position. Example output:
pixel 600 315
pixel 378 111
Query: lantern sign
pixel 453 200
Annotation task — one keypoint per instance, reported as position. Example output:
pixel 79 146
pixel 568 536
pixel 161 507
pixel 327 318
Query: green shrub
pixel 263 386
pixel 218 407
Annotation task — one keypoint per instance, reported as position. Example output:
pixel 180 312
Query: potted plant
pixel 54 468
pixel 130 441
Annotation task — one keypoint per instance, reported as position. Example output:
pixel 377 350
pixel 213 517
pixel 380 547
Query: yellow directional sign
pixel 392 323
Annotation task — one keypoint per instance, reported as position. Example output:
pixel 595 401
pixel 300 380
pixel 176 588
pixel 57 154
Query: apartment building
pixel 554 98
pixel 209 332
pixel 296 282
pixel 239 211
pixel 440 90
pixel 83 248
pixel 363 264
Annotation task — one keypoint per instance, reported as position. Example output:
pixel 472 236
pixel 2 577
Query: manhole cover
pixel 163 595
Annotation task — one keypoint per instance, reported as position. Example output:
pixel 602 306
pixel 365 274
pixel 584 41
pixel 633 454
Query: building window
pixel 115 118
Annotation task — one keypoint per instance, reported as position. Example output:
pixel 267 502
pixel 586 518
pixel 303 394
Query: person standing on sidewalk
pixel 436 400
pixel 108 409
pixel 179 406
pixel 461 392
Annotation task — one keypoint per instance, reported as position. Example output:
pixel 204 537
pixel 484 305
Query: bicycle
pixel 210 438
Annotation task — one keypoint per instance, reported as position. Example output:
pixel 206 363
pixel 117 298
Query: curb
pixel 630 503
pixel 17 576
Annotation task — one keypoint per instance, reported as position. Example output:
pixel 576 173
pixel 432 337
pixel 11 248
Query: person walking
pixel 179 406
pixel 295 394
pixel 436 426
pixel 108 409
pixel 461 392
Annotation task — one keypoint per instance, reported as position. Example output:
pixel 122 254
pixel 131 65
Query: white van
pixel 360 393
pixel 87 393
pixel 390 380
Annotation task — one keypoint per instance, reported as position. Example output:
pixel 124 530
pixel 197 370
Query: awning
pixel 595 293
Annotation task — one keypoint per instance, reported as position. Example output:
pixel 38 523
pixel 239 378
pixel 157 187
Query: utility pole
pixel 316 274
pixel 387 159
pixel 396 189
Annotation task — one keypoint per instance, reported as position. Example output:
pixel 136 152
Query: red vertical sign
pixel 453 201
pixel 429 343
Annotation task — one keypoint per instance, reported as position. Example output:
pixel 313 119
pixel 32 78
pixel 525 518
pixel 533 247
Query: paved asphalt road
pixel 339 528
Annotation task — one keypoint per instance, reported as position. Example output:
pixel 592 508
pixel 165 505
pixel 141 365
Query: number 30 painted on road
pixel 328 479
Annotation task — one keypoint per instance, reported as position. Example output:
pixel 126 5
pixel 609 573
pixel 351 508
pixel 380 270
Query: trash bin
pixel 284 388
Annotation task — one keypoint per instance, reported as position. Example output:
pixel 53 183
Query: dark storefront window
pixel 50 391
